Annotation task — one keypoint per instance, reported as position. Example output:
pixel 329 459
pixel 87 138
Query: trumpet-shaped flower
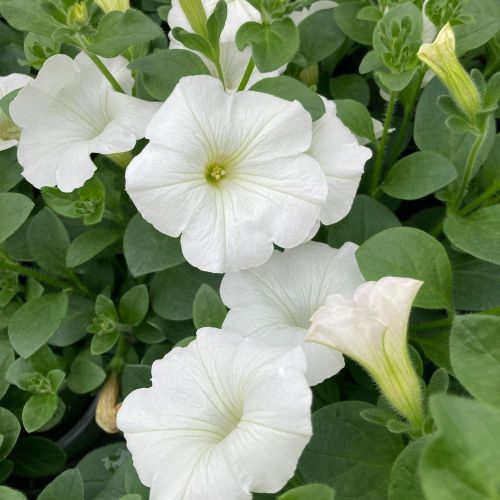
pixel 274 302
pixel 371 328
pixel 233 62
pixel 112 5
pixel 71 111
pixel 225 416
pixel 342 159
pixel 9 131
pixel 229 172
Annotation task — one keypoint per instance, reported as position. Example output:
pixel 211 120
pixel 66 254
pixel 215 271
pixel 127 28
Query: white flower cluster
pixel 232 173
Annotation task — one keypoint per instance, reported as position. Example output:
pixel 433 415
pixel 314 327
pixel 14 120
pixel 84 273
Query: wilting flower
pixel 274 302
pixel 225 416
pixel 9 131
pixel 342 159
pixel 440 56
pixel 229 172
pixel 371 329
pixel 298 16
pixel 71 111
pixel 111 5
pixel 233 61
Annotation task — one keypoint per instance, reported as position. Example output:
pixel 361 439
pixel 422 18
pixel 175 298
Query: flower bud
pixel 77 15
pixel 441 58
pixel 111 5
pixel 196 15
pixel 107 408
pixel 310 76
pixel 371 329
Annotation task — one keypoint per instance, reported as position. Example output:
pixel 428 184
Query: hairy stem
pixel 247 74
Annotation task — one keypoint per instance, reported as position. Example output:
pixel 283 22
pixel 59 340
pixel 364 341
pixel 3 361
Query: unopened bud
pixel 196 15
pixel 107 407
pixel 78 15
pixel 111 5
pixel 441 58
pixel 310 76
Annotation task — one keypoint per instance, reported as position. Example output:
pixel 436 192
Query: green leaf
pixel 103 343
pixel 476 283
pixel 393 253
pixel 89 244
pixel 48 241
pixel 292 90
pixel 348 453
pixel 15 209
pixel 134 305
pixel 396 82
pixel 118 31
pixel 147 250
pixel 463 459
pixel 273 45
pixel 404 481
pixel 366 218
pixel 37 457
pixel 309 492
pixel 10 170
pixel 418 175
pixel 173 291
pixel 208 309
pixel 162 70
pixel 74 325
pixel 135 377
pixel 358 30
pixel 85 374
pixel 475 355
pixel 6 359
pixel 7 493
pixel 68 485
pixel 9 429
pixel 216 22
pixel 356 118
pixel 38 410
pixel 35 322
pixel 319 37
pixel 352 87
pixel 477 234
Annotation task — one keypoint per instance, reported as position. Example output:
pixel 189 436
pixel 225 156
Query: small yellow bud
pixel 111 5
pixel 441 58
pixel 107 407
pixel 310 76
pixel 78 15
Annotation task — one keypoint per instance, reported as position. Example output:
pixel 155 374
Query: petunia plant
pixel 249 249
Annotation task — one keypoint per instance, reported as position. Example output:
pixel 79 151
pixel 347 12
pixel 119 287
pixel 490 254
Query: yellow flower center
pixel 215 172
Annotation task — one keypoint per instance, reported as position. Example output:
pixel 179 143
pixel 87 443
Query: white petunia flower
pixel 233 61
pixel 371 329
pixel 225 416
pixel 229 172
pixel 275 301
pixel 9 131
pixel 342 159
pixel 298 16
pixel 71 111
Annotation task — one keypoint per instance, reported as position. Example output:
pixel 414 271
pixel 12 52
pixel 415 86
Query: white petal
pixel 13 82
pixel 275 301
pixel 7 144
pixel 342 159
pixel 298 16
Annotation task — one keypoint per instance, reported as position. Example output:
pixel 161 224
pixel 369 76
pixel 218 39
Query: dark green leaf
pixel 356 117
pixel 38 410
pixel 37 457
pixel 67 486
pixel 135 377
pixel 134 305
pixel 85 374
pixel 15 209
pixel 309 492
pixel 89 244
pixel 9 429
pixel 208 309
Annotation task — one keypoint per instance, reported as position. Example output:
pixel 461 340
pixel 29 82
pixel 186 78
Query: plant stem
pixel 431 325
pixel 408 113
pixel 379 160
pixel 45 278
pixel 105 71
pixel 247 74
pixel 117 362
pixel 481 199
pixel 220 73
pixel 469 168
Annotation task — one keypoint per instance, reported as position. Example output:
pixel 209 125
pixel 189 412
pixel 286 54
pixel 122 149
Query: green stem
pixel 220 73
pixel 408 114
pixel 105 71
pixel 481 199
pixel 45 278
pixel 117 361
pixel 431 325
pixel 247 74
pixel 469 169
pixel 379 160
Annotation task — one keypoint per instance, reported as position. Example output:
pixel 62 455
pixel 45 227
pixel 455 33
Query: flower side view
pixel 71 111
pixel 229 172
pixel 371 329
pixel 274 302
pixel 9 131
pixel 225 416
